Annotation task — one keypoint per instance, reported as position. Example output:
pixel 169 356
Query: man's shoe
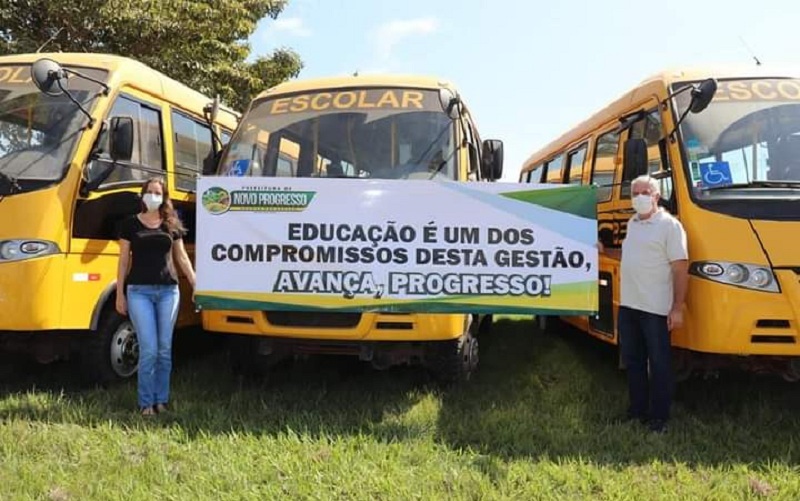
pixel 658 426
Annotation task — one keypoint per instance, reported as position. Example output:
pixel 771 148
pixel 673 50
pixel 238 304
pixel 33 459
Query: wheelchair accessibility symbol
pixel 715 174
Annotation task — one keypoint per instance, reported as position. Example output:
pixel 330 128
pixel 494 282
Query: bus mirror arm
pixel 210 111
pixel 53 79
pixel 702 94
pixel 662 174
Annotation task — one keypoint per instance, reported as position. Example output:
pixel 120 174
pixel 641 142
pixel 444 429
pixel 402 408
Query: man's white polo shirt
pixel 648 249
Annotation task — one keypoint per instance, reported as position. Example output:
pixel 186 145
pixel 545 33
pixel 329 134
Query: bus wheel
pixel 683 365
pixel 454 361
pixel 541 323
pixel 243 356
pixel 485 325
pixel 246 359
pixel 548 324
pixel 112 353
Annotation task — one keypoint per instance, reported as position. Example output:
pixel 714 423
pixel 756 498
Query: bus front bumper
pixel 730 320
pixel 365 327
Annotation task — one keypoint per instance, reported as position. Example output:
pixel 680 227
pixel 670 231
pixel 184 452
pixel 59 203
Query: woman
pixel 150 244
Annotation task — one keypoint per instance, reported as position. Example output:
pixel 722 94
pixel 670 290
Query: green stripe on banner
pixel 217 303
pixel 575 200
pixel 578 293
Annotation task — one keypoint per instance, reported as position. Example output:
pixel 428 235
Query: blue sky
pixel 530 70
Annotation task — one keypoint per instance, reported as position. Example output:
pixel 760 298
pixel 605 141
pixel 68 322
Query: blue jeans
pixel 645 339
pixel 153 310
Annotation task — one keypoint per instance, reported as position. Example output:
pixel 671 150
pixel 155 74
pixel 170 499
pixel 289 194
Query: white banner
pixel 395 245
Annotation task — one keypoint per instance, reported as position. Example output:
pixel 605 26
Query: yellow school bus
pixel 361 127
pixel 724 144
pixel 79 133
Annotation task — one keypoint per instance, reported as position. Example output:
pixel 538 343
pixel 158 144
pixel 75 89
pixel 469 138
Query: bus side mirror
pixel 702 95
pixel 450 103
pixel 492 168
pixel 634 163
pixel 121 139
pixel 49 77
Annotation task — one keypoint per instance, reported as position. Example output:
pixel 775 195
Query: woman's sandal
pixel 161 408
pixel 148 411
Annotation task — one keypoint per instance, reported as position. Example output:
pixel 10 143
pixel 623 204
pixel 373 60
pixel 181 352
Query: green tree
pixel 202 43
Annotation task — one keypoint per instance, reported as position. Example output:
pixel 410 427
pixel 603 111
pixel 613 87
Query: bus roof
pixel 372 80
pixel 126 71
pixel 647 88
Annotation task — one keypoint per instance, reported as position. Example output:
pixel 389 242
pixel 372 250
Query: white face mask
pixel 152 201
pixel 643 204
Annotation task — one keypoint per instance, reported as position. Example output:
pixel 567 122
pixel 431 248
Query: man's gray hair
pixel 653 183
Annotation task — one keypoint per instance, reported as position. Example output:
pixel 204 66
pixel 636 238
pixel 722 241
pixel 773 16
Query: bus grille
pixel 311 319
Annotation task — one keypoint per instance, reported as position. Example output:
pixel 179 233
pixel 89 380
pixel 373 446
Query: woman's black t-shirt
pixel 150 252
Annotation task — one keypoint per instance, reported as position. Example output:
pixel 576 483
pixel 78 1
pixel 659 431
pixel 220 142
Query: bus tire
pixel 245 360
pixel 454 361
pixel 485 325
pixel 548 324
pixel 542 323
pixel 683 365
pixel 111 354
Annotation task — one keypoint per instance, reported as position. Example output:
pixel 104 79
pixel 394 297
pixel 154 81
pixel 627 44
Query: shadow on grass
pixel 555 396
pixel 535 396
pixel 324 396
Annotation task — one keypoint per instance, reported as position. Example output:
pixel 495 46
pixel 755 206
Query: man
pixel 654 277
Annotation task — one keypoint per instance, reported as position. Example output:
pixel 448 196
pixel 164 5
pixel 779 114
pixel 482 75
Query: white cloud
pixel 291 25
pixel 388 35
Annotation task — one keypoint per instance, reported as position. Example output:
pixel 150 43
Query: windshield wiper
pixel 444 162
pixel 755 184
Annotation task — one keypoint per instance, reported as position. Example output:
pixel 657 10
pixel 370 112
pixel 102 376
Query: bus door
pixel 614 201
pixel 191 148
pixel 574 173
pixel 605 172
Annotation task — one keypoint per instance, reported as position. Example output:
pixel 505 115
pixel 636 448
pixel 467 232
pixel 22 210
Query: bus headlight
pixel 761 277
pixel 17 250
pixel 736 273
pixel 749 276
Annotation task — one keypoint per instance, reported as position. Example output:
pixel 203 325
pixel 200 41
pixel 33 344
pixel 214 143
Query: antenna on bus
pixel 758 63
pixel 49 40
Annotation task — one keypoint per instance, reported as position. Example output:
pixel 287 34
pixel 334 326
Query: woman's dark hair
pixel 166 210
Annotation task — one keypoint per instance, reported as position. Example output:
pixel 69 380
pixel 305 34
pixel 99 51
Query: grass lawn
pixel 534 424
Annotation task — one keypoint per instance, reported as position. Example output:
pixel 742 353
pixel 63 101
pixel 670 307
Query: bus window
pixel 285 167
pixel 147 158
pixel 603 166
pixel 535 175
pixel 649 129
pixel 554 173
pixel 193 151
pixel 287 159
pixel 575 165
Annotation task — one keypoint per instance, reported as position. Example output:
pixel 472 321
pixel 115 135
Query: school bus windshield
pixel 389 133
pixel 37 131
pixel 748 137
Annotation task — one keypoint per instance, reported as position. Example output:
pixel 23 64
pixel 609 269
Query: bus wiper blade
pixel 755 184
pixel 444 162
